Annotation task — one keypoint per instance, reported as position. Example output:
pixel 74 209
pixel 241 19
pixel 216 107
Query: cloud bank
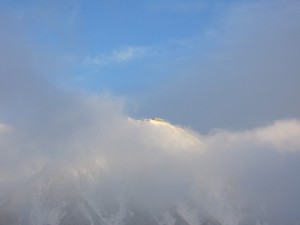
pixel 247 77
pixel 235 176
pixel 155 163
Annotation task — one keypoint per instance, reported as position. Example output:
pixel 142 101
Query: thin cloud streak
pixel 234 176
pixel 123 55
pixel 156 164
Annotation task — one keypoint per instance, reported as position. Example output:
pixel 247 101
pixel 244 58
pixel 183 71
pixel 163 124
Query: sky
pixel 232 63
pixel 122 47
pixel 226 72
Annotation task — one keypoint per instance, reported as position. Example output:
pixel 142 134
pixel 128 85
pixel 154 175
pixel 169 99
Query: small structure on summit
pixel 158 119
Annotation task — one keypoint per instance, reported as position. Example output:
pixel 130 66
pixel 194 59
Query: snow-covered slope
pixel 58 197
pixel 94 191
pixel 175 138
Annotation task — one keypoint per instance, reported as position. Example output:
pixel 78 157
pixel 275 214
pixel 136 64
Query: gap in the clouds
pixel 219 97
pixel 110 24
pixel 111 29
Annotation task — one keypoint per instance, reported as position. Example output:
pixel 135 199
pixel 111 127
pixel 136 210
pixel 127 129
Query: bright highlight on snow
pixel 114 170
pixel 149 112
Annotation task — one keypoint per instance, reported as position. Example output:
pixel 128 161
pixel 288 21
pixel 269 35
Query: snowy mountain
pixel 58 198
pixel 89 193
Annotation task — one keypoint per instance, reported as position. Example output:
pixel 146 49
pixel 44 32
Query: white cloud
pixel 156 162
pixel 91 135
pixel 282 136
pixel 245 74
pixel 122 55
pixel 4 128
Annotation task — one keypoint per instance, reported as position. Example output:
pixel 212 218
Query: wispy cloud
pixel 248 75
pixel 282 135
pixel 42 125
pixel 53 128
pixel 122 55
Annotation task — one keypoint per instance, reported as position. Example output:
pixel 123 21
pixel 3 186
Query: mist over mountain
pixel 71 157
pixel 152 172
pixel 83 85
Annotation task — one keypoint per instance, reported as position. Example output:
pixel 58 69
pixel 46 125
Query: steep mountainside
pixel 86 192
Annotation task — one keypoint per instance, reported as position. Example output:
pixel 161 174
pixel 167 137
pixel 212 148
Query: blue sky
pixel 205 64
pixel 73 72
pixel 118 45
